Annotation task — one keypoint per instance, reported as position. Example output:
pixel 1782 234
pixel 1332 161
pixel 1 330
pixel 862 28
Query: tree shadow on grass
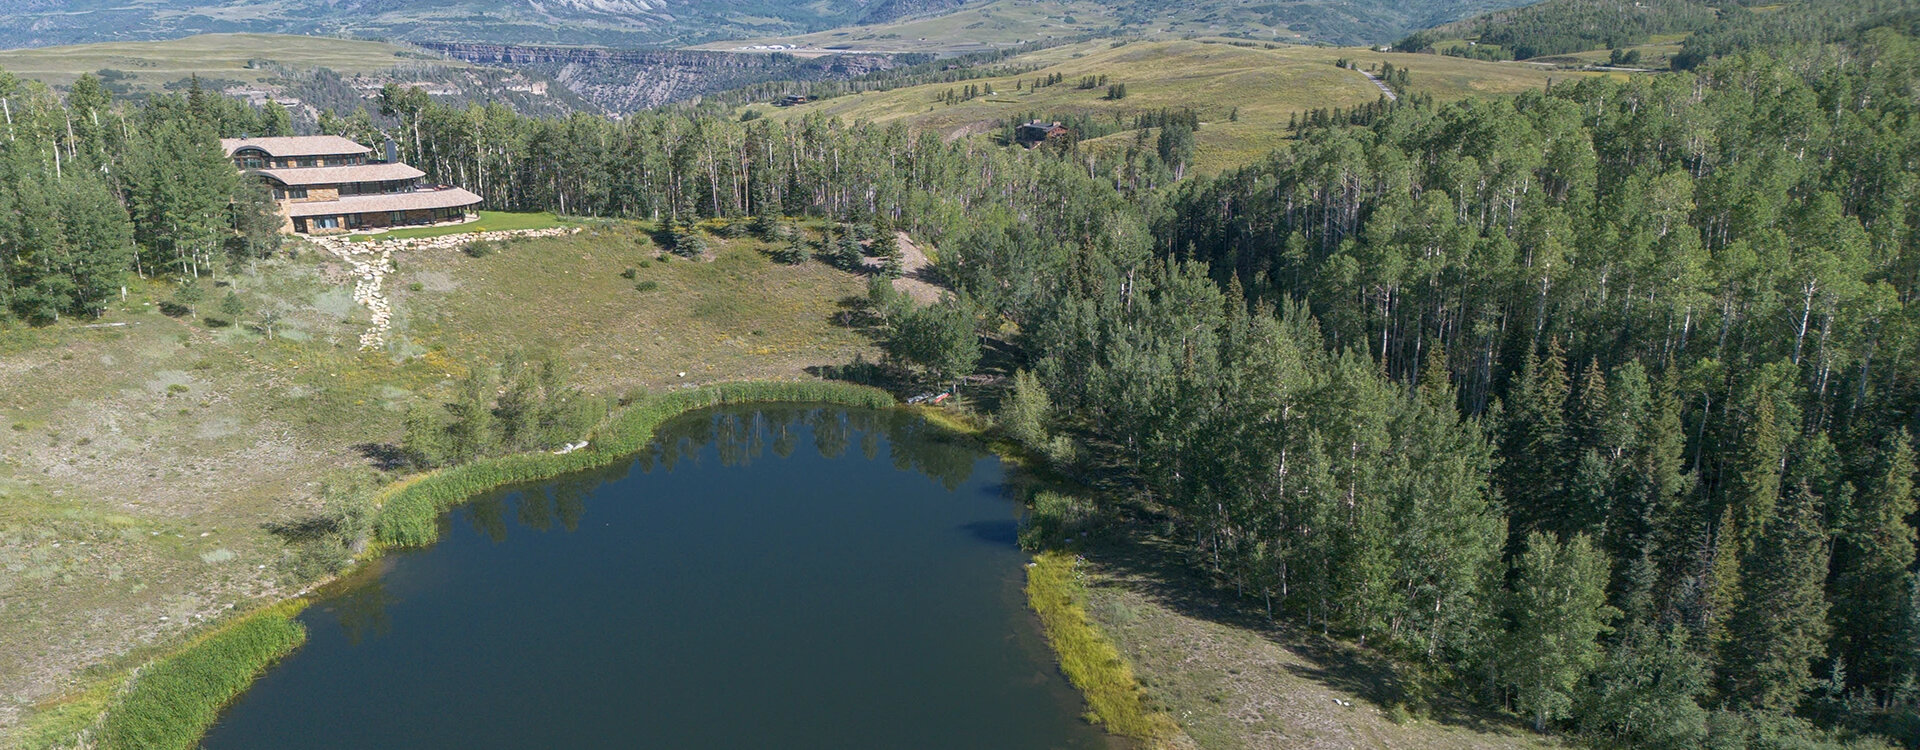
pixel 1135 556
pixel 383 456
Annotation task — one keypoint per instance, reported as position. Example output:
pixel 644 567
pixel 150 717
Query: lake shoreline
pixel 93 713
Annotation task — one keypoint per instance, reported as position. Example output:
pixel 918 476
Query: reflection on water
pixel 730 587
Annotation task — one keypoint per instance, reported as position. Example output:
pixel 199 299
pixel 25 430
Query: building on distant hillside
pixel 327 185
pixel 794 100
pixel 1035 133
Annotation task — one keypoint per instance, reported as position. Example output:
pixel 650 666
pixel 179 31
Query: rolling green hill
pixel 247 58
pixel 1264 84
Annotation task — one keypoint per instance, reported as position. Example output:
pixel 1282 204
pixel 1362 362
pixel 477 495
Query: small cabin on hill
pixel 792 100
pixel 1034 133
pixel 329 185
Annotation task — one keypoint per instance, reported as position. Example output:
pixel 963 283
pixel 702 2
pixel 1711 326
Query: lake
pixel 786 576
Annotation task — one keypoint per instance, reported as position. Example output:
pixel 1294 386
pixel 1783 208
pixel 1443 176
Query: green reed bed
pixel 173 700
pixel 1091 662
pixel 410 516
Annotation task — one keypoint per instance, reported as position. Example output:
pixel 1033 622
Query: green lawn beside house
pixel 490 221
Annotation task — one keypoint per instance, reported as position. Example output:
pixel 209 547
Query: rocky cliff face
pixel 631 80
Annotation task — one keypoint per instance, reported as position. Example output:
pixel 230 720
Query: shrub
pixel 1054 518
pixel 690 245
pixel 793 253
pixel 1025 413
pixel 646 286
pixel 630 273
pixel 478 248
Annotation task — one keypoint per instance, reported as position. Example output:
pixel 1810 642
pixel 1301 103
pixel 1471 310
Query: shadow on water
pixel 739 437
pixel 1002 532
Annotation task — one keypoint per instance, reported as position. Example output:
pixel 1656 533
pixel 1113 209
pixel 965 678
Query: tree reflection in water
pixel 739 436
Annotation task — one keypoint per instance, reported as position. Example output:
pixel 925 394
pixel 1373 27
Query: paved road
pixel 1384 89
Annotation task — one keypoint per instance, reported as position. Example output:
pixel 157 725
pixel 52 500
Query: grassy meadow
pixel 143 455
pixel 1265 84
pixel 236 57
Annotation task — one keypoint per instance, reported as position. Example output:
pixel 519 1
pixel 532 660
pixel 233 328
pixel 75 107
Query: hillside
pixel 999 23
pixel 629 80
pixel 1559 27
pixel 1650 33
pixel 248 58
pixel 944 24
pixel 307 74
pixel 34 23
pixel 1213 77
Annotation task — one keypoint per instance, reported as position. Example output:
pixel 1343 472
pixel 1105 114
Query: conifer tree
pixel 1779 628
pixel 1559 610
pixel 1534 444
pixel 1761 458
pixel 1875 551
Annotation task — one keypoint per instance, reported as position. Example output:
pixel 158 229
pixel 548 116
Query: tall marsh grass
pixel 409 515
pixel 1091 662
pixel 173 700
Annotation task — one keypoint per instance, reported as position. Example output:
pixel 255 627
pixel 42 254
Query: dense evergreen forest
pixel 1710 29
pixel 1595 403
pixel 1557 27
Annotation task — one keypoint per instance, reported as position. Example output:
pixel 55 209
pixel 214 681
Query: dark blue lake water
pixel 776 577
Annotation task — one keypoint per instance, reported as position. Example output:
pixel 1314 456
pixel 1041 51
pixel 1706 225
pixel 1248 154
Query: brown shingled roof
pixel 418 200
pixel 342 175
pixel 304 145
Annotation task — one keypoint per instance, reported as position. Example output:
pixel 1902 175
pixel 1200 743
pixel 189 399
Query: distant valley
pixel 899 25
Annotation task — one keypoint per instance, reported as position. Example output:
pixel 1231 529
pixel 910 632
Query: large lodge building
pixel 328 185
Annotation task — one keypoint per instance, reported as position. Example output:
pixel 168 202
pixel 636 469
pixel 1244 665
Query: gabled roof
pixel 418 200
pixel 342 175
pixel 304 145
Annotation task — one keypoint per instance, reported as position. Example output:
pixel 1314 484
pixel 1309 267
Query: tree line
pixel 1560 27
pixel 91 190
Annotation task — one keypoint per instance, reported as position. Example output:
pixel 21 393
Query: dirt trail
pixel 916 273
